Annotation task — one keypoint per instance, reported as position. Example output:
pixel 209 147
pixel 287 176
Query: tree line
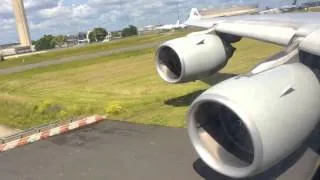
pixel 98 34
pixel 49 42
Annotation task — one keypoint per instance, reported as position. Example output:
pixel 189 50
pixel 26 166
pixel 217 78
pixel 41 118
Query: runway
pixel 82 57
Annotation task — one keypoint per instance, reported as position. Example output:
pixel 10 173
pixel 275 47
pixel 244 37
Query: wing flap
pixel 311 43
pixel 264 32
pixel 278 29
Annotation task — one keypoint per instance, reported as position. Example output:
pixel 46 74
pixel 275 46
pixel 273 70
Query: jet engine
pixel 249 123
pixel 192 57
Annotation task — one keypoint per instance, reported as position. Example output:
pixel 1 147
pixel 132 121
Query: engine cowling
pixel 192 57
pixel 249 123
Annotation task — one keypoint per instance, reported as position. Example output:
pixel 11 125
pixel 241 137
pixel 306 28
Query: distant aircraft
pixel 282 9
pixel 224 12
pixel 108 37
pixel 247 124
pixel 178 25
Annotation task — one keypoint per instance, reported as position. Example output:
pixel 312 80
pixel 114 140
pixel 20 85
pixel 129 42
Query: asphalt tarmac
pixel 107 150
pixel 113 150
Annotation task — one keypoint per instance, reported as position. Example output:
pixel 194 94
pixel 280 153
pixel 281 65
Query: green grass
pixel 124 86
pixel 315 9
pixel 92 48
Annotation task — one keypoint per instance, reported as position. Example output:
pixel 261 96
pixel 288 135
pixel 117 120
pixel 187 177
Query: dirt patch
pixel 5 131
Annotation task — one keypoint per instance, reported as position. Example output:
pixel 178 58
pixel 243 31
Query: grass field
pixel 92 48
pixel 315 9
pixel 124 86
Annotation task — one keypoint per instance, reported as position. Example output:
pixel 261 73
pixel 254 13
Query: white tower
pixel 22 23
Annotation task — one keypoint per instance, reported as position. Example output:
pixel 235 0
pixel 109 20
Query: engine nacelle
pixel 249 123
pixel 192 57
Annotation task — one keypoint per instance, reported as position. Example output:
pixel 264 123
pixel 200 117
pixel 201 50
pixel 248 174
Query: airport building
pixel 310 4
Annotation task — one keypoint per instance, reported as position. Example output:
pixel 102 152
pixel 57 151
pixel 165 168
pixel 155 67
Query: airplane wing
pixel 248 124
pixel 274 28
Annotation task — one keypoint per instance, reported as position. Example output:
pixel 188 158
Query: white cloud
pixel 112 16
pixel 40 4
pixel 7 24
pixel 108 3
pixel 83 11
pixel 55 12
pixel 70 16
pixel 5 8
pixel 30 5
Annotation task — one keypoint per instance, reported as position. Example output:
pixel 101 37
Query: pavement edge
pixel 46 131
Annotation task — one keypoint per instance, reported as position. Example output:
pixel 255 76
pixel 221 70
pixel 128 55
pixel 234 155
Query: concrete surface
pixel 116 150
pixel 24 54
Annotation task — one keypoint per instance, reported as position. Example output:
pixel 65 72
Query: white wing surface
pixel 274 28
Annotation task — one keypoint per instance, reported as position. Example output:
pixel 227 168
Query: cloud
pixel 30 5
pixel 6 8
pixel 7 24
pixel 40 4
pixel 108 3
pixel 70 16
pixel 84 11
pixel 55 12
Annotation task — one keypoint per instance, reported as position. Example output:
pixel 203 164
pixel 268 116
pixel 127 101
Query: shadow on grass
pixel 187 99
pixel 217 78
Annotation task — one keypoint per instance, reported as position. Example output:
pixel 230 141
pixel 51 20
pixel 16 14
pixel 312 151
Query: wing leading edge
pixel 278 29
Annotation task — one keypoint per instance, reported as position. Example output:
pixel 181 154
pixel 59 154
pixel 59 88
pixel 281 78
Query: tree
pixel 294 2
pixel 46 42
pixel 98 34
pixel 92 37
pixel 133 30
pixel 115 34
pixel 130 31
pixel 82 35
pixel 59 40
pixel 125 32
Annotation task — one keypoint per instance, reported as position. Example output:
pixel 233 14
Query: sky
pixel 73 16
